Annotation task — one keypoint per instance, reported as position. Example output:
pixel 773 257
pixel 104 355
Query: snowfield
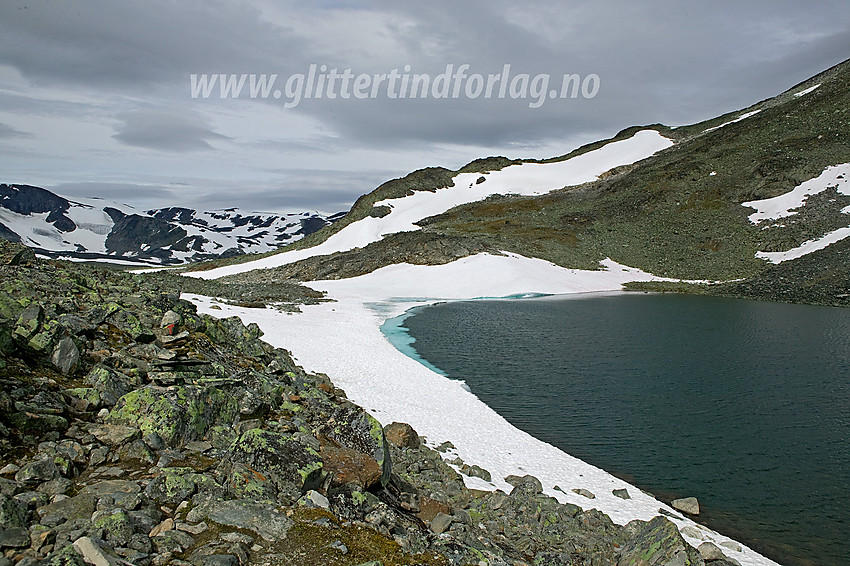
pixel 524 179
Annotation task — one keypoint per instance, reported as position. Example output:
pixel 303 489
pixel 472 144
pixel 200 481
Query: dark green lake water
pixel 745 405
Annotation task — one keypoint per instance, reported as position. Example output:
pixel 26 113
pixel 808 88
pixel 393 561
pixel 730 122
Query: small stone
pixel 9 469
pixel 315 499
pixel 218 560
pixel 41 536
pixel 440 523
pixel 236 538
pixel 192 529
pixel 731 545
pixel 339 545
pixel 688 505
pixel 584 493
pixel 56 486
pixel 113 434
pixel 170 318
pixel 525 484
pixel 621 493
pixel 93 553
pixel 161 528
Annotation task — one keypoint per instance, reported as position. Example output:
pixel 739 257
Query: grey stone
pixel 65 355
pixel 16 537
pixel 93 553
pixel 37 472
pixel 65 556
pixel 114 434
pixel 440 523
pixel 710 551
pixel 56 486
pixel 316 499
pixel 525 485
pixel 170 488
pixel 217 560
pixel 154 441
pixel 265 519
pixel 170 317
pixel 584 493
pixel 13 514
pixel 731 545
pixel 688 505
pixel 621 493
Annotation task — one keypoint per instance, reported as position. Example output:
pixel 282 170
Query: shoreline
pixel 343 339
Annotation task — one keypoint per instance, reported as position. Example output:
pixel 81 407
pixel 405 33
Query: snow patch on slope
pixel 523 179
pixel 738 119
pixel 807 91
pixel 788 204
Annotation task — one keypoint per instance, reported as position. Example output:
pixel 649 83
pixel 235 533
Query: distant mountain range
pixel 98 230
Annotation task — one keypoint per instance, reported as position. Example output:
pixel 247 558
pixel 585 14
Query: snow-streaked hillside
pixel 523 179
pixel 771 212
pixel 99 230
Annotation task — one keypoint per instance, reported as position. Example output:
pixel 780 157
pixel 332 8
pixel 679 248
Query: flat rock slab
pixel 113 434
pixel 264 519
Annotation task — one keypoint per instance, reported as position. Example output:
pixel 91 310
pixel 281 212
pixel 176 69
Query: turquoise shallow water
pixel 745 405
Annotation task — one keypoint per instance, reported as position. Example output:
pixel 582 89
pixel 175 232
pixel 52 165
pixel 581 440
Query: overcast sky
pixel 96 97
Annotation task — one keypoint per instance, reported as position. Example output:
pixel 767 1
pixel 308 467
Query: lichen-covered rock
pixel 279 459
pixel 116 524
pixel 657 543
pixel 177 414
pixel 110 384
pixel 351 427
pixel 171 488
pixel 37 472
pixel 13 514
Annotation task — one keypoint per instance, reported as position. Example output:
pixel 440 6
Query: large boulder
pixel 353 428
pixel 177 414
pixel 657 543
pixel 291 467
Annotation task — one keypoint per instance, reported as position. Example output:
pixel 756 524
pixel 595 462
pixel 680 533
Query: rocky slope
pixel 94 229
pixel 133 430
pixel 683 212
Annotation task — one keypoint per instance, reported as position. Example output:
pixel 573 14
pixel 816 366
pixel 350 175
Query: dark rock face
pixel 132 232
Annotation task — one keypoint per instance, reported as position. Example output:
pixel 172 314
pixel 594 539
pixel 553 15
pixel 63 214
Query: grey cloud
pixel 166 131
pixel 7 131
pixel 129 193
pixel 123 45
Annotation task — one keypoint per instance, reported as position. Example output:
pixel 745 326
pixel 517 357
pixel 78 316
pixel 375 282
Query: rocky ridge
pixel 135 431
